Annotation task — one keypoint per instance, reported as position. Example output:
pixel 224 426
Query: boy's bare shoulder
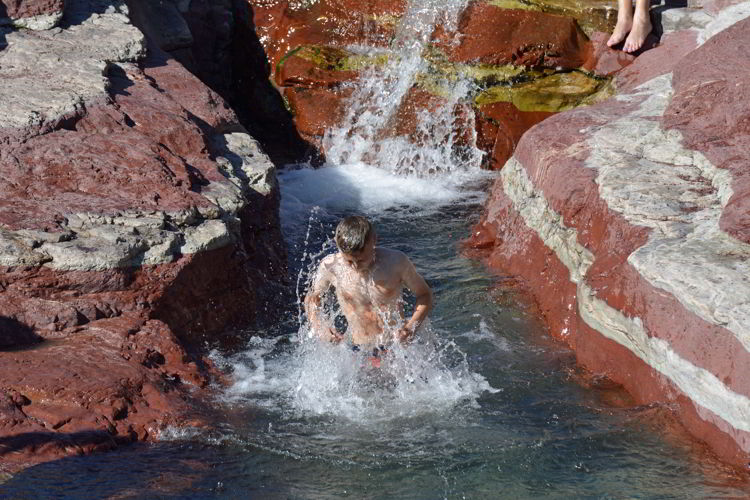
pixel 328 260
pixel 393 257
pixel 328 263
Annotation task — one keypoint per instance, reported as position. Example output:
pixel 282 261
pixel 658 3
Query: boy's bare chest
pixel 371 289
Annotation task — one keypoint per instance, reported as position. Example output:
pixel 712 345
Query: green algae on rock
pixel 334 58
pixel 556 92
pixel 481 74
pixel 591 15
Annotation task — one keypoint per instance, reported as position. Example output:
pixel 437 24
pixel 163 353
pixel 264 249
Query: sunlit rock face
pixel 628 220
pixel 535 62
pixel 137 219
pixel 284 25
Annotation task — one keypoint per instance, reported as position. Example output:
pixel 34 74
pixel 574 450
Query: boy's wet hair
pixel 352 233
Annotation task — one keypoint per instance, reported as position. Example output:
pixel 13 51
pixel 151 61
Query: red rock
pixel 19 9
pixel 499 127
pixel 520 252
pixel 713 7
pixel 406 120
pixel 556 156
pixel 493 35
pixel 603 60
pixel 67 390
pixel 316 109
pixel 705 110
pixel 487 34
pixel 672 49
pixel 339 23
pixel 296 71
pixel 121 355
pixel 144 154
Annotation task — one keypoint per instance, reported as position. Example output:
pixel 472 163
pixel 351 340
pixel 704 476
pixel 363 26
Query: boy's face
pixel 362 260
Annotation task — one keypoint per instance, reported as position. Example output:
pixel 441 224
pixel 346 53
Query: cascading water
pixel 438 143
pixel 457 408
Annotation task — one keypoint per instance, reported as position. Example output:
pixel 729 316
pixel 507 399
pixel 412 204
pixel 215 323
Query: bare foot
pixel 624 23
pixel 639 32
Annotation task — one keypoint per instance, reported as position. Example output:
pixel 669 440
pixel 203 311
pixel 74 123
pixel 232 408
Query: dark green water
pixel 495 413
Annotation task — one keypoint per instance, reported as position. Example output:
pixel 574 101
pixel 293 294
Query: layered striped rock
pixel 137 219
pixel 629 220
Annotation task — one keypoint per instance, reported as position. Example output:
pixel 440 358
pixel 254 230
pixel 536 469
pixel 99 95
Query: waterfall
pixel 444 139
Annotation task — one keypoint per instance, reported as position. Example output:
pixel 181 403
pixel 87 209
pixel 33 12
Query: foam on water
pixel 485 334
pixel 314 378
pixel 370 190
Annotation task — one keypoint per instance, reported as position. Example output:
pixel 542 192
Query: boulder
pixel 283 25
pixel 492 35
pixel 591 15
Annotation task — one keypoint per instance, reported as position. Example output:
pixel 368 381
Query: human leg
pixel 624 22
pixel 641 27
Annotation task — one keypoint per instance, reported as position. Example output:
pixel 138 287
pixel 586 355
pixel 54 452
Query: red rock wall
pixel 627 234
pixel 23 9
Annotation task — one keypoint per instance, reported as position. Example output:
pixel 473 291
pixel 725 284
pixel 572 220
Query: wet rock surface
pixel 536 61
pixel 492 35
pixel 138 218
pixel 591 15
pixel 624 220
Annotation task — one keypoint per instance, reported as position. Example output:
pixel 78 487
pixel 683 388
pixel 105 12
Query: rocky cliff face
pixel 628 219
pixel 137 217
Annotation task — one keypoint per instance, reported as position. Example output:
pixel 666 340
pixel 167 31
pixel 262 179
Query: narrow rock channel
pixel 173 171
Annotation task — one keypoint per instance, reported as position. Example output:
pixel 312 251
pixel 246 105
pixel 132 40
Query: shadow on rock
pixel 656 17
pixel 217 43
pixel 14 334
pixel 3 29
pixel 258 104
pixel 78 11
pixel 51 443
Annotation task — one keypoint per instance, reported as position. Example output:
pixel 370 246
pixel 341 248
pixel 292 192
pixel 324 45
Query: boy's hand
pixel 404 334
pixel 334 336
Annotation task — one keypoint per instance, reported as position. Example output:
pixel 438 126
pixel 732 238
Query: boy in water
pixel 368 282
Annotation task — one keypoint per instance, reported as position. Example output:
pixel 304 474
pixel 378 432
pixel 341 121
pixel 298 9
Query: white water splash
pixel 315 378
pixel 371 190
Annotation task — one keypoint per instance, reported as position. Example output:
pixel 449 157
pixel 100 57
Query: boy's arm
pixel 320 285
pixel 419 287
